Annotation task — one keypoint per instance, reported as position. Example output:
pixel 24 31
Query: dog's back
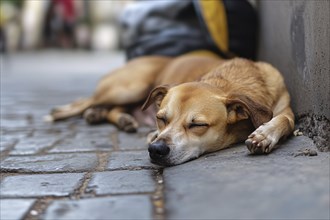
pixel 187 68
pixel 254 79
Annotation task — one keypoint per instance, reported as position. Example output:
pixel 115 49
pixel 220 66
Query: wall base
pixel 317 128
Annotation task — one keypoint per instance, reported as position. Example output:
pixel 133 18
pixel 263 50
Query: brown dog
pixel 212 104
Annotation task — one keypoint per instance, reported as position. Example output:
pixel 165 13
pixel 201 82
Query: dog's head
pixel 192 118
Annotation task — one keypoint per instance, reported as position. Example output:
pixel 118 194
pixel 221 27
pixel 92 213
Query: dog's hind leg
pixel 131 83
pixel 76 108
pixel 96 115
pixel 122 120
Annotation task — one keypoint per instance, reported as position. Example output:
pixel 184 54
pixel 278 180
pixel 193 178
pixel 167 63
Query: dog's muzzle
pixel 158 151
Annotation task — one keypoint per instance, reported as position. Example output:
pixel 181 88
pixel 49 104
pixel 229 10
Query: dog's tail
pixel 73 109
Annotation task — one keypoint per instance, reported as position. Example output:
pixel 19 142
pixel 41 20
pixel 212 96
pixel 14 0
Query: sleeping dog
pixel 203 103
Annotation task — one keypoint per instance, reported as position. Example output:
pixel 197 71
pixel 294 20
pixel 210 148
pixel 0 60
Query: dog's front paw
pixel 127 123
pixel 262 140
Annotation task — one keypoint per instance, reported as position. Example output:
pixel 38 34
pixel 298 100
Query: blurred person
pixel 171 28
pixel 2 34
pixel 9 25
pixel 2 41
pixel 32 21
pixel 60 24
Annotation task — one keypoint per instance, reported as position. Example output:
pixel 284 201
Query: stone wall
pixel 294 37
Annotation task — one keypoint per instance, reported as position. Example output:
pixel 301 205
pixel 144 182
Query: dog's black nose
pixel 158 149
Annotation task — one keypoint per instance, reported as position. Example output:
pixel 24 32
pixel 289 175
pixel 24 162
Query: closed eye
pixel 196 125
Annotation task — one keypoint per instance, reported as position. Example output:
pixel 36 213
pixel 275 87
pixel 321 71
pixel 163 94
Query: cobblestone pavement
pixel 69 170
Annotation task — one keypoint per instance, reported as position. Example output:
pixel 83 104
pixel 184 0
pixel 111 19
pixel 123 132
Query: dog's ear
pixel 156 95
pixel 241 107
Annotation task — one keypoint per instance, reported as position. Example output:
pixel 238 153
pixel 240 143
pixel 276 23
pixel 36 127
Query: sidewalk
pixel 70 170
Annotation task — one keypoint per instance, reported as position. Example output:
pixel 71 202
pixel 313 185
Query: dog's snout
pixel 158 149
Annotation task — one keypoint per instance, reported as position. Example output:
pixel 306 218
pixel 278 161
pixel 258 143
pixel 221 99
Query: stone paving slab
pixel 231 184
pixel 37 142
pixel 38 185
pixel 32 145
pixel 14 209
pixel 85 142
pixel 50 163
pixel 122 181
pixel 117 207
pixel 130 160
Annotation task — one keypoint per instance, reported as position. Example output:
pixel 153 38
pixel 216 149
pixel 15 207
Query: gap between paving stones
pixel 80 191
pixel 38 209
pixel 83 189
pixel 103 159
pixel 115 141
pixel 158 200
pixel 45 150
pixel 4 154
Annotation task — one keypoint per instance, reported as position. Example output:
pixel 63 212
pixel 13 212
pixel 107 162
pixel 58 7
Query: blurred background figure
pixel 59 24
pixel 32 20
pixel 65 24
pixel 10 29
